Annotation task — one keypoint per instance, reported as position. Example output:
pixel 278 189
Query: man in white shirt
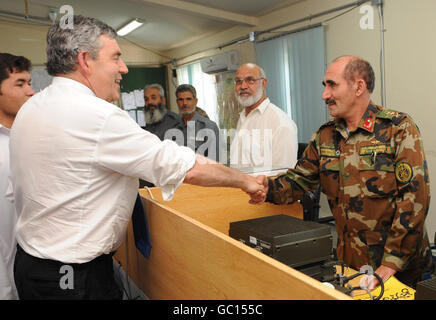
pixel 15 89
pixel 265 136
pixel 80 159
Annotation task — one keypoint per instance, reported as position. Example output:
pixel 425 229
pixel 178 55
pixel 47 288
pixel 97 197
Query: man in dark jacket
pixel 158 118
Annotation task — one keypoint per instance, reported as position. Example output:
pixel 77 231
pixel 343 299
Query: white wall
pixel 25 40
pixel 410 74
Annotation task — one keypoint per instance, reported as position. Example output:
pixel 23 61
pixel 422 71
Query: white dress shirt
pixel 8 219
pixel 75 163
pixel 266 138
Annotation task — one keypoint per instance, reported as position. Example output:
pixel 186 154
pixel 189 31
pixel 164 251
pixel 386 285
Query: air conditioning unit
pixel 227 61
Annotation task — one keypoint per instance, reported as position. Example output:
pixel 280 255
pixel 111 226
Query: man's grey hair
pixel 187 88
pixel 64 44
pixel 358 68
pixel 156 86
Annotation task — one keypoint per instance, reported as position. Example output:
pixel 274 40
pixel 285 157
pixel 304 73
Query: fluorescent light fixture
pixel 132 25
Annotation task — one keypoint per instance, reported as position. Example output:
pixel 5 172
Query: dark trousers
pixel 38 279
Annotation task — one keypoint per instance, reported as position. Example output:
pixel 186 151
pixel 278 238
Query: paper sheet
pixel 139 98
pixel 132 114
pixel 128 100
pixel 140 118
pixel 394 290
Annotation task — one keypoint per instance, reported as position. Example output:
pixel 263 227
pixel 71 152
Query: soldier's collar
pixel 368 119
pixel 366 123
pixel 341 127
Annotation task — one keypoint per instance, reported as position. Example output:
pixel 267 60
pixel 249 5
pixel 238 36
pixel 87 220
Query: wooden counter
pixel 194 258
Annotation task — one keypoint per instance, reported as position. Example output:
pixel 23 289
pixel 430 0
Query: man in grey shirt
pixel 200 134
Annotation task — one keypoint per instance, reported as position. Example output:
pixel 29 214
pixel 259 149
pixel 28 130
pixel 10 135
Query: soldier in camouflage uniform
pixel 371 165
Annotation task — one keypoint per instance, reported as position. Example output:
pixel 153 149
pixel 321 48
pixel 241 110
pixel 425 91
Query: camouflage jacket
pixel 377 184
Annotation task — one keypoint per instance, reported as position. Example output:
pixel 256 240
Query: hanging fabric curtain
pixel 295 65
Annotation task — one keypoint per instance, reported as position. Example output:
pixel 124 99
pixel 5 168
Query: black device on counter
pixel 302 245
pixel 426 290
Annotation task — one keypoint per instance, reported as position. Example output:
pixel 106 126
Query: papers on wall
pixel 132 114
pixel 140 118
pixel 139 98
pixel 128 100
pixel 131 101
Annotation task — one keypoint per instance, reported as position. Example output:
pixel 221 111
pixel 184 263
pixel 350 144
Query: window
pixel 294 65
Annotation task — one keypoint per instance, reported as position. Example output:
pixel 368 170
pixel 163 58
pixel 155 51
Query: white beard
pixel 250 100
pixel 156 115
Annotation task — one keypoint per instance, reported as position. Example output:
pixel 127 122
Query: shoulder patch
pixel 395 116
pixel 403 172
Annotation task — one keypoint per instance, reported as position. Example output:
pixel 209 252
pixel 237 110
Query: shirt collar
pixel 73 84
pixel 260 108
pixel 4 130
pixel 195 117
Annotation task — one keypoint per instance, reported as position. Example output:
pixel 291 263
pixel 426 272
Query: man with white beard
pixel 265 135
pixel 158 118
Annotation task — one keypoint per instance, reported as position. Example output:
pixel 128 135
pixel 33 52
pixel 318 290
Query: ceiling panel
pixel 254 8
pixel 168 23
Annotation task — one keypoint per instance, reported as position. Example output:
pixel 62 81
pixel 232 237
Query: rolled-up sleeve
pixel 127 149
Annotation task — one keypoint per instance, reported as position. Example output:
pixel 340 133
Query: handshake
pixel 257 189
pixel 208 173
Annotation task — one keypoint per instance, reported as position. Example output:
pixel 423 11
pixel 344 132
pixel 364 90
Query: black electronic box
pixel 303 245
pixel 426 290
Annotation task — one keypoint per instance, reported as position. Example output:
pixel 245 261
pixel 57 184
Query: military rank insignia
pixel 403 172
pixel 368 124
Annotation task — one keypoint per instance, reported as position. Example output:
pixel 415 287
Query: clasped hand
pixel 257 189
pixel 370 282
